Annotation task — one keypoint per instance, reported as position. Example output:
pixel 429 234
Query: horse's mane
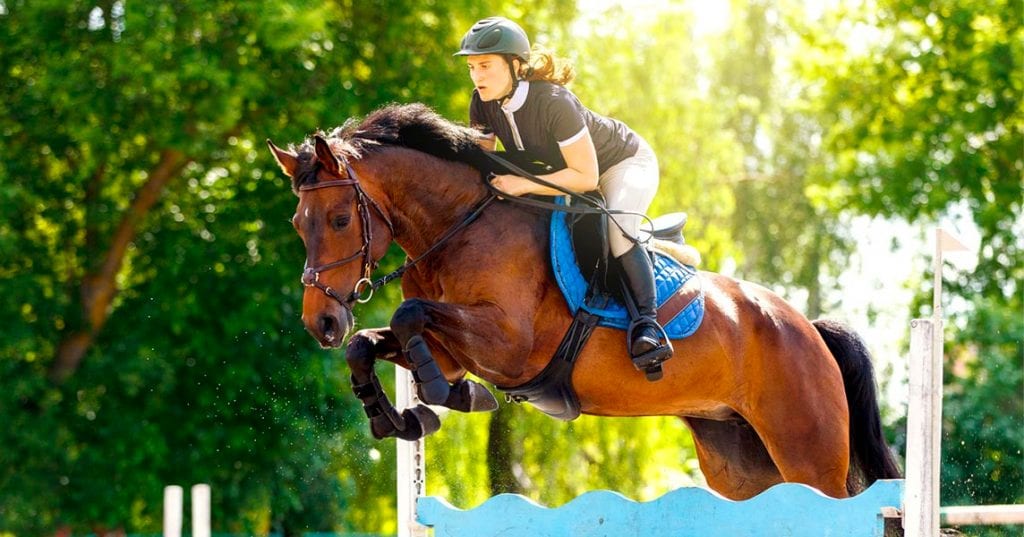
pixel 415 126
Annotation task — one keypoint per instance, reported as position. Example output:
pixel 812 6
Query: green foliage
pixel 201 372
pixel 553 461
pixel 655 82
pixel 770 135
pixel 926 118
pixel 923 106
pixel 983 432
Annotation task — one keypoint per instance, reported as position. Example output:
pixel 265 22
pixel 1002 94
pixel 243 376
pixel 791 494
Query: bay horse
pixel 769 396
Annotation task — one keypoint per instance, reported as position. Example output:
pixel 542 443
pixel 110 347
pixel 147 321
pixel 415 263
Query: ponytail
pixel 545 66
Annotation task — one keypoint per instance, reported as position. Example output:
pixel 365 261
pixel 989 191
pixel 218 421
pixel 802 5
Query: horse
pixel 770 396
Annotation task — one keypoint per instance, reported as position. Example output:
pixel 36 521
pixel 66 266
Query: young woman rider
pixel 520 98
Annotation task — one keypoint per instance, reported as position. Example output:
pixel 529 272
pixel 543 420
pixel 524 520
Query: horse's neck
pixel 426 196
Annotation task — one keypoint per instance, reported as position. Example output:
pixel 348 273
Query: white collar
pixel 518 98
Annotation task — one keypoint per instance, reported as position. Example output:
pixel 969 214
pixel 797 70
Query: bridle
pixel 311 275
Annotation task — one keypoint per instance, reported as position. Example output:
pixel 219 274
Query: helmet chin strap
pixel 515 82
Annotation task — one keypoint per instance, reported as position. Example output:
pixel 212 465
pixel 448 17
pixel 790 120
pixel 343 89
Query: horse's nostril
pixel 327 326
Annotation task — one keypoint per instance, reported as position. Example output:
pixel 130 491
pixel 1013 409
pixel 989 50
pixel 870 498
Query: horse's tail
pixel 870 456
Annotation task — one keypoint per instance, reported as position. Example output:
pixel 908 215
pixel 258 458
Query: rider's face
pixel 490 75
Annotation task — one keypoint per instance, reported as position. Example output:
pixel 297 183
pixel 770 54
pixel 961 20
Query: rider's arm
pixel 580 172
pixel 579 175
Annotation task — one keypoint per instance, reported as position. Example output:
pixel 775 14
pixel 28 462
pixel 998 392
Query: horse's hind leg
pixel 805 427
pixel 732 457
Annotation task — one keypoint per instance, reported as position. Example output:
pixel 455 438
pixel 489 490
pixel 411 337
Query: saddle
pixel 588 281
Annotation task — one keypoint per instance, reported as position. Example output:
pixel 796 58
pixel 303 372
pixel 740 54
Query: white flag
pixel 949 242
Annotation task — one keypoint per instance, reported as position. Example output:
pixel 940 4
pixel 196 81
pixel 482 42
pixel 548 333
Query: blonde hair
pixel 547 67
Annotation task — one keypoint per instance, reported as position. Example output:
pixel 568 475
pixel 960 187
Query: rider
pixel 521 99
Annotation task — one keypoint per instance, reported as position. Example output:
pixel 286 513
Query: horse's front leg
pixel 363 350
pixel 480 338
pixel 365 347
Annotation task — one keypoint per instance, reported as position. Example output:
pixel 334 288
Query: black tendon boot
pixel 648 344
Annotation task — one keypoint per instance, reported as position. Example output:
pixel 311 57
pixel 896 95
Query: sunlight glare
pixel 710 16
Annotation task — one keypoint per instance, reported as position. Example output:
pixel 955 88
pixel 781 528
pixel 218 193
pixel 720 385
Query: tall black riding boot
pixel 648 344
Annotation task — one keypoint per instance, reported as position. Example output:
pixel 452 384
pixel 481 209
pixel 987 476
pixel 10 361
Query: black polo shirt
pixel 541 116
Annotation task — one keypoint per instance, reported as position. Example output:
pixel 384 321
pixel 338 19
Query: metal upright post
pixel 201 510
pixel 411 462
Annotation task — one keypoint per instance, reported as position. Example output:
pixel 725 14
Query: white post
pixel 200 510
pixel 173 496
pixel 411 467
pixel 924 413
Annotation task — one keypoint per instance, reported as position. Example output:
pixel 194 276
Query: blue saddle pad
pixel 670 276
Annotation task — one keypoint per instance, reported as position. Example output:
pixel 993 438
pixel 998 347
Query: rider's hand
pixel 512 184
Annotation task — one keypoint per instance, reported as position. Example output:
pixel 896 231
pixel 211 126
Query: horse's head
pixel 341 227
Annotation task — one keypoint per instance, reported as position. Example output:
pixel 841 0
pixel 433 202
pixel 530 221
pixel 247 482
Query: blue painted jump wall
pixel 789 510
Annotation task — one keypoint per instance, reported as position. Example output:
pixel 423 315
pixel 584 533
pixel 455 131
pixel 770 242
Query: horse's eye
pixel 295 221
pixel 339 222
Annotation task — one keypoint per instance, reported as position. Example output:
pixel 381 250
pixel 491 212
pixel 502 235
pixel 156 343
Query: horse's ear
pixel 287 160
pixel 326 156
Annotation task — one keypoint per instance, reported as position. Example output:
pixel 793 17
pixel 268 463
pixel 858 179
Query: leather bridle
pixel 311 275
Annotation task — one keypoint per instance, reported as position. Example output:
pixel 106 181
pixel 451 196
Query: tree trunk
pixel 98 288
pixel 501 457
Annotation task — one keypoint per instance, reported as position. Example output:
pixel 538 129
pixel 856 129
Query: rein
pixel 593 205
pixel 364 288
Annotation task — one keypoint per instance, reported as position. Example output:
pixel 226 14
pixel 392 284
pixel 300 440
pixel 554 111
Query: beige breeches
pixel 629 186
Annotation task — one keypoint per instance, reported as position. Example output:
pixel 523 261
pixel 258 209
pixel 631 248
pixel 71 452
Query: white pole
pixel 173 496
pixel 920 501
pixel 924 412
pixel 200 510
pixel 411 464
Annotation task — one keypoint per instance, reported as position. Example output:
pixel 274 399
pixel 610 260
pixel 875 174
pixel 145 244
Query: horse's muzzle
pixel 330 327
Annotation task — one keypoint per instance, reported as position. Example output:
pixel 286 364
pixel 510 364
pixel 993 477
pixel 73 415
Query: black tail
pixel 870 457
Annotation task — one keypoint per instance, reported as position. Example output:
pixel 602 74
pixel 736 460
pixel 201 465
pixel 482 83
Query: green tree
pixel 149 272
pixel 784 238
pixel 923 104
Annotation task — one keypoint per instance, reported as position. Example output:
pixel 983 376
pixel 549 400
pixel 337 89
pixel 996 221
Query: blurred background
pixel 149 293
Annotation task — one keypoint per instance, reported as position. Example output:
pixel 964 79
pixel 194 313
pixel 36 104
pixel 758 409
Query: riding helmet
pixel 495 35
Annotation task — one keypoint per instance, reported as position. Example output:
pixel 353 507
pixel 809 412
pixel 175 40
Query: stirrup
pixel 650 361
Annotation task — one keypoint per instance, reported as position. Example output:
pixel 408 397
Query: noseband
pixel 311 275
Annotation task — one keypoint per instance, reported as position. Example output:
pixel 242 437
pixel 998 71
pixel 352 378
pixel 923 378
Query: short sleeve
pixel 565 117
pixel 477 117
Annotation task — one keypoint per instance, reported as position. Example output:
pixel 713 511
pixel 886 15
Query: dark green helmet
pixel 495 35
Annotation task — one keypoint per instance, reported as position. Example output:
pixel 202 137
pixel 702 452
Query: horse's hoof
pixel 419 422
pixel 469 396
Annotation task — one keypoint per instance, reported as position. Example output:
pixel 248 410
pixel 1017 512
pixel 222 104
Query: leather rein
pixel 364 288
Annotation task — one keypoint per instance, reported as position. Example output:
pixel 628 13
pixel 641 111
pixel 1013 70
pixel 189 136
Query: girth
pixel 551 391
